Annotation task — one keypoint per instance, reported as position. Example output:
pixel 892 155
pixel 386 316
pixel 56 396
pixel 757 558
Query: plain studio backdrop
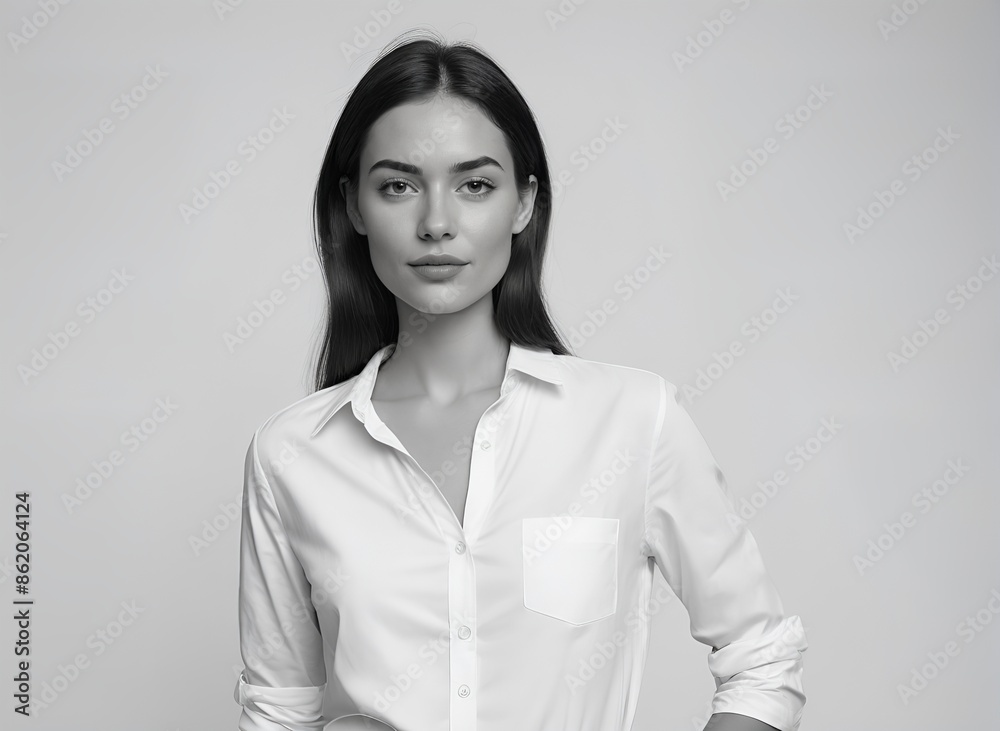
pixel 787 209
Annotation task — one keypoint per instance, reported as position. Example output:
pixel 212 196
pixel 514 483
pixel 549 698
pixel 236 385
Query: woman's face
pixel 436 178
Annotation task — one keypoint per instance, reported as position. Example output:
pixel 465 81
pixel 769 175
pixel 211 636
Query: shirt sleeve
pixel 282 685
pixel 713 564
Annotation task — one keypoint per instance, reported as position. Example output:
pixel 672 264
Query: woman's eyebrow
pixel 458 167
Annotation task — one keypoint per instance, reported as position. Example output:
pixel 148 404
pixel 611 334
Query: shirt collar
pixel 541 364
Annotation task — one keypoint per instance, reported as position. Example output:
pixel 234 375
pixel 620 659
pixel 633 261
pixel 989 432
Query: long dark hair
pixel 361 311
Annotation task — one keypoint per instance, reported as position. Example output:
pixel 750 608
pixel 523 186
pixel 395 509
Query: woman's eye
pixel 397 188
pixel 393 188
pixel 480 187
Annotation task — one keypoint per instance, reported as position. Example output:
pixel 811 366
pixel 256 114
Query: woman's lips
pixel 437 272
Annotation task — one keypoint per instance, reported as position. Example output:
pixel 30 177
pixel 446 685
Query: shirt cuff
pixel 761 677
pixel 279 709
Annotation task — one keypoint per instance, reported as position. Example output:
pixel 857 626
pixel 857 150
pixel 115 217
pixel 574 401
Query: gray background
pixel 827 356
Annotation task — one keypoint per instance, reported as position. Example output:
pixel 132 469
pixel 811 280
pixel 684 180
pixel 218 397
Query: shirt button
pixel 459 547
pixel 485 444
pixel 464 632
pixel 463 690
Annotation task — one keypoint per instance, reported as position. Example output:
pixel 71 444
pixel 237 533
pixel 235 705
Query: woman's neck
pixel 444 357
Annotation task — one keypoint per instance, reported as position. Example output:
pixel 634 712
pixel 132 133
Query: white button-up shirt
pixel 360 590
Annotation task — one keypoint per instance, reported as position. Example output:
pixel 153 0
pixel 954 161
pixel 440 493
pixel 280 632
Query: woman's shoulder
pixel 596 374
pixel 295 423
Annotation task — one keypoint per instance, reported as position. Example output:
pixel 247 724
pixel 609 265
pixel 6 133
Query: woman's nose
pixel 437 218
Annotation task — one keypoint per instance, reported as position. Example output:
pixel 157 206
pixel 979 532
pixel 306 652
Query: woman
pixel 461 522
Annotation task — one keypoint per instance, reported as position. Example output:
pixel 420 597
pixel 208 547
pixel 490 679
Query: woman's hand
pixel 735 722
pixel 357 722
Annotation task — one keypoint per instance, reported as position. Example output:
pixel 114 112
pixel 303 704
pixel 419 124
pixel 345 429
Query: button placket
pixel 482 471
pixel 462 642
pixel 461 575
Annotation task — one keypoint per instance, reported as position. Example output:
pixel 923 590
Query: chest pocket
pixel 570 567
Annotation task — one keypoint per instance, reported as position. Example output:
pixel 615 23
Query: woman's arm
pixel 709 558
pixel 284 678
pixel 736 722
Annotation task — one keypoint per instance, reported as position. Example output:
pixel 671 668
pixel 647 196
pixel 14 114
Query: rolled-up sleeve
pixel 710 559
pixel 284 676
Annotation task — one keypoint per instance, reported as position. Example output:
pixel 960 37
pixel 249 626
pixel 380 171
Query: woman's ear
pixel 525 206
pixel 350 193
